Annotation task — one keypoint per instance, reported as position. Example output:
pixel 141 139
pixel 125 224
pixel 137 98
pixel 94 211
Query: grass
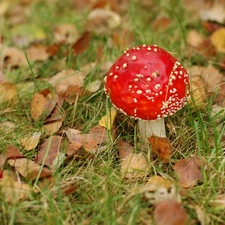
pixel 102 196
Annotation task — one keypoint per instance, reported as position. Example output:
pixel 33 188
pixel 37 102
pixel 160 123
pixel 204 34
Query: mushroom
pixel 148 84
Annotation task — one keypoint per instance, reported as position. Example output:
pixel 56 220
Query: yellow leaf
pixel 218 40
pixel 108 120
pixel 31 142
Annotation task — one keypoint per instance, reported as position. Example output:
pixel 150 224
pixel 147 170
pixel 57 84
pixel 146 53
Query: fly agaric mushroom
pixel 149 84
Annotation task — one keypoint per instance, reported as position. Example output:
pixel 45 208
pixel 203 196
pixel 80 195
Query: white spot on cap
pixel 135 100
pixel 134 58
pixel 124 65
pixel 157 86
pixel 115 76
pixel 148 79
pixel 139 75
pixel 139 92
pixel 155 50
pixel 117 67
pixel 136 79
pixel 111 73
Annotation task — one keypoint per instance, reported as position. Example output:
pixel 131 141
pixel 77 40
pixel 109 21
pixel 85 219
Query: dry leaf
pixel 108 120
pixel 161 23
pixel 218 40
pixel 82 44
pixel 42 104
pixel 134 166
pixel 12 152
pixel 52 127
pixel 12 190
pixel 68 84
pixel 215 13
pixel 7 127
pixel 28 169
pixel 124 148
pixel 194 39
pixel 49 151
pixel 102 20
pixel 100 134
pixel 170 213
pixel 198 94
pixel 202 215
pixel 93 86
pixel 38 53
pixel 65 33
pixel 189 171
pixel 161 147
pixel 31 142
pixel 8 92
pixel 218 200
pixel 156 182
pixel 2 77
pixel 13 57
pixel 123 38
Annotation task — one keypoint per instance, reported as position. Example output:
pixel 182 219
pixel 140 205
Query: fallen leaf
pixel 170 213
pixel 211 26
pixel 82 44
pixel 37 53
pixel 49 151
pixel 161 23
pixel 202 215
pixel 13 57
pixel 198 93
pixel 68 84
pixel 134 166
pixel 218 200
pixel 65 33
pixel 102 20
pixel 93 86
pixel 42 104
pixel 31 142
pixel 28 168
pixel 108 120
pixel 100 134
pixel 8 92
pixel 7 127
pixel 218 38
pixel 215 13
pixel 2 77
pixel 52 127
pixel 189 171
pixel 12 152
pixel 194 39
pixel 124 148
pixel 13 191
pixel 161 147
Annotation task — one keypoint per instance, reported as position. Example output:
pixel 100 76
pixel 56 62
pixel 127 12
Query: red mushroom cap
pixel 147 83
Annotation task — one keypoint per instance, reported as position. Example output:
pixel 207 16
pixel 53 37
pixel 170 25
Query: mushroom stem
pixel 147 128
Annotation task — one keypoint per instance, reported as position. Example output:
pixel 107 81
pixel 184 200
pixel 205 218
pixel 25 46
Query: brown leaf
pixel 161 147
pixel 12 152
pixel 13 57
pixel 124 148
pixel 2 77
pixel 65 33
pixel 189 171
pixel 38 53
pixel 102 20
pixel 161 23
pixel 68 84
pixel 8 92
pixel 28 169
pixel 52 127
pixel 100 134
pixel 49 151
pixel 13 190
pixel 82 44
pixel 134 166
pixel 123 38
pixel 170 213
pixel 42 105
pixel 194 38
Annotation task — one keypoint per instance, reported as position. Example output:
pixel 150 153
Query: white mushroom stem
pixel 147 128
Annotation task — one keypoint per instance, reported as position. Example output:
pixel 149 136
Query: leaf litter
pixel 58 143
